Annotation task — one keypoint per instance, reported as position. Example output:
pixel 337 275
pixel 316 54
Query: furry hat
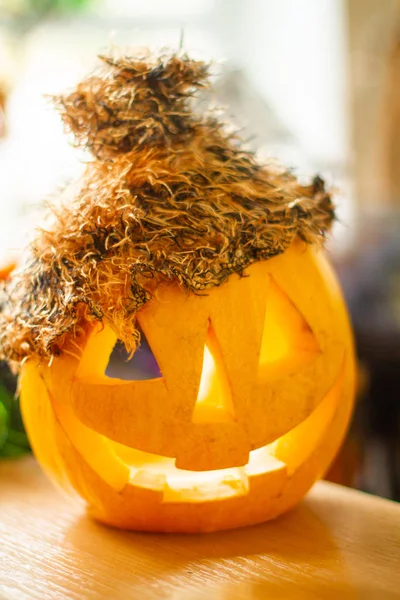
pixel 170 195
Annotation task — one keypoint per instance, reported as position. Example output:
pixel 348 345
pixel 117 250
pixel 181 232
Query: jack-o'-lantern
pixel 178 233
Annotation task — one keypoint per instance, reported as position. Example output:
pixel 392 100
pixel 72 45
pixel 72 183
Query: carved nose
pixel 214 398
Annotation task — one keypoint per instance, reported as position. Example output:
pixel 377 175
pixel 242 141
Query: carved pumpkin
pixel 256 371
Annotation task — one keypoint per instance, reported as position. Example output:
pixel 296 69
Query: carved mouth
pixel 120 465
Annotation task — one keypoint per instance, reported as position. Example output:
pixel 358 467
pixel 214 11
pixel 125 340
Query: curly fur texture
pixel 170 195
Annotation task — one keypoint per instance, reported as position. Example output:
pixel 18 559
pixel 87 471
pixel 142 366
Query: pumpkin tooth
pixel 148 479
pixel 200 487
pixel 263 461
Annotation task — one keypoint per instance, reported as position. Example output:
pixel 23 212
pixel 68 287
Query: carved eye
pixel 287 341
pixel 142 365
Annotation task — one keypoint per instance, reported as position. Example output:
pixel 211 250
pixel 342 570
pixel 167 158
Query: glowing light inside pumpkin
pixel 214 399
pixel 275 345
pixel 287 341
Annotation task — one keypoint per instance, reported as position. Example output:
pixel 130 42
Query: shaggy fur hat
pixel 170 195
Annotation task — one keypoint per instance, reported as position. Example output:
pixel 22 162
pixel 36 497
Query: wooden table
pixel 338 543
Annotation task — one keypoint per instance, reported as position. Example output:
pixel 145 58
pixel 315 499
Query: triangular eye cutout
pixel 288 341
pixel 141 366
pixel 214 399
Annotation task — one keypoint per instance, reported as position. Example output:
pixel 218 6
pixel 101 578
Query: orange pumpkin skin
pixel 6 268
pixel 200 450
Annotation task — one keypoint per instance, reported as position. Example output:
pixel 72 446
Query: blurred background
pixel 313 83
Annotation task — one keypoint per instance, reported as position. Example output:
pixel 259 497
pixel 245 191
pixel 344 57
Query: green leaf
pixel 3 424
pixel 11 451
pixel 13 439
pixel 6 397
pixel 18 438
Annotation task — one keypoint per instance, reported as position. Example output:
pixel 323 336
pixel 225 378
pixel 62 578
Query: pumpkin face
pixel 253 400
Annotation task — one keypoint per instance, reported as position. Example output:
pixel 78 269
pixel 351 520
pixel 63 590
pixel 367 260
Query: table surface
pixel 338 543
